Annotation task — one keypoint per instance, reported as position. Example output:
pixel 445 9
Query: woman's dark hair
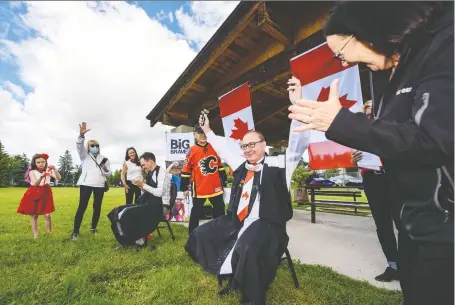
pixel 388 27
pixel 136 159
pixel 33 162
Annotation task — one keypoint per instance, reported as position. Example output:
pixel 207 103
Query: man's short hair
pixel 147 156
pixel 260 135
pixel 367 104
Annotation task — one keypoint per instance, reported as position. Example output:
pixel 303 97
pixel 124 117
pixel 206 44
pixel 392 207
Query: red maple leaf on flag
pixel 245 196
pixel 324 96
pixel 240 131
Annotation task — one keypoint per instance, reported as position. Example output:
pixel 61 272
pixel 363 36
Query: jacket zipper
pixel 419 113
pixel 438 186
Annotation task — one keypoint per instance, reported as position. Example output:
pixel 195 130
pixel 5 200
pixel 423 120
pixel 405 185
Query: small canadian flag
pixel 236 114
pixel 316 69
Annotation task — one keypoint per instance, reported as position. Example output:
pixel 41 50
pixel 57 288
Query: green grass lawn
pixel 93 270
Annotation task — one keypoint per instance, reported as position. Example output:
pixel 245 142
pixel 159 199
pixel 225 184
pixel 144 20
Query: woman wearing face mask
pixel 95 169
pixel 409 46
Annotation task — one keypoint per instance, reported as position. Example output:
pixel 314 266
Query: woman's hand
pixel 317 115
pixel 356 156
pixel 83 129
pixel 295 90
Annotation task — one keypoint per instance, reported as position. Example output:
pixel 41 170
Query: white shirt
pixel 158 190
pixel 132 170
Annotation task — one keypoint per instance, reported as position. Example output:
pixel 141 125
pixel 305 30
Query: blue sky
pixel 11 29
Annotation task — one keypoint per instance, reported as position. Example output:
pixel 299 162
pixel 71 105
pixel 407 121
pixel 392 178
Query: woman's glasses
pixel 94 145
pixel 338 55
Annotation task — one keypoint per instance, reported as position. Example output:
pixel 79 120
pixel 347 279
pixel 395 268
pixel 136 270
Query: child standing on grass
pixel 38 199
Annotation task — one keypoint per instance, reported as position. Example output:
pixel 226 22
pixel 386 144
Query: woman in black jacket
pixel 409 47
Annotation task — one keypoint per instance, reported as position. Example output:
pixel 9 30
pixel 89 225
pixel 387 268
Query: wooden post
pixel 313 207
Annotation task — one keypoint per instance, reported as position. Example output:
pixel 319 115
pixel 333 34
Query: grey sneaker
pixel 74 236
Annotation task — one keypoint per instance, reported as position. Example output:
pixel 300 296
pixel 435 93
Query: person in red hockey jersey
pixel 202 170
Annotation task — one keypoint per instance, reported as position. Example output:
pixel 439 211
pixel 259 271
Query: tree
pixel 65 167
pixel 5 169
pixel 115 178
pixel 76 173
pixel 300 176
pixel 18 167
pixel 331 172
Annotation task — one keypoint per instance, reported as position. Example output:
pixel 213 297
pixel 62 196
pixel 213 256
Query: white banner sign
pixel 177 145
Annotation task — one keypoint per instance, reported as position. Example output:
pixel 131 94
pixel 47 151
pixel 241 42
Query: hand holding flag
pixel 204 121
pixel 295 90
pixel 316 115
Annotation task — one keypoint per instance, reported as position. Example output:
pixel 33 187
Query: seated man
pixel 153 188
pixel 246 244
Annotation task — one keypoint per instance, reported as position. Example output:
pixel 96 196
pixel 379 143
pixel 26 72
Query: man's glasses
pixel 94 145
pixel 338 55
pixel 250 145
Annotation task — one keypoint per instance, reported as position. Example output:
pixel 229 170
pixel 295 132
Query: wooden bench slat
pixel 347 194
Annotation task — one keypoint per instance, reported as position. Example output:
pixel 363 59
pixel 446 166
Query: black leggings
pixel 84 196
pixel 134 191
pixel 382 207
pixel 218 210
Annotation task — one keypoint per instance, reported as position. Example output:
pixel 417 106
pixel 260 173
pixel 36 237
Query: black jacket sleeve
pixel 427 138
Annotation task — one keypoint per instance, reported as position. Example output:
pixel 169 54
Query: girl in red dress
pixel 38 199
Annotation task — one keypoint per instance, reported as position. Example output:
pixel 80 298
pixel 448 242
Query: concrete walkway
pixel 348 244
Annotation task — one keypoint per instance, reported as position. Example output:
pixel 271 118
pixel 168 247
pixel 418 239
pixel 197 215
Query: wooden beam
pixel 273 113
pixel 233 34
pixel 167 119
pixel 266 24
pixel 272 70
pixel 262 52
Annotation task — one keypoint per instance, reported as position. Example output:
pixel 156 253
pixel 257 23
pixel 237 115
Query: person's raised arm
pixel 219 144
pixel 298 141
pixel 80 144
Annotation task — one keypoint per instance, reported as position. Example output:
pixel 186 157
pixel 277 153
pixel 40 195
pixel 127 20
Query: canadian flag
pixel 316 69
pixel 236 114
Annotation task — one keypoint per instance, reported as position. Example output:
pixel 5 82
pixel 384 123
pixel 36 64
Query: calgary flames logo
pixel 208 165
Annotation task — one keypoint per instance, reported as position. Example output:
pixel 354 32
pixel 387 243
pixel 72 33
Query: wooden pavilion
pixel 254 44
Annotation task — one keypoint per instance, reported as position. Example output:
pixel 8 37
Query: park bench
pixel 333 191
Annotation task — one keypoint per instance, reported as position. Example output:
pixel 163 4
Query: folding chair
pixel 167 219
pixel 291 267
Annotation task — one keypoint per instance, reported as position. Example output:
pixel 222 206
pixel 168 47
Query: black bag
pixel 131 222
pixel 106 186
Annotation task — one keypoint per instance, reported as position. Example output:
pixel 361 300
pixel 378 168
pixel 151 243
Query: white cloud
pixel 171 17
pixel 203 19
pixel 105 63
pixel 107 68
pixel 15 89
